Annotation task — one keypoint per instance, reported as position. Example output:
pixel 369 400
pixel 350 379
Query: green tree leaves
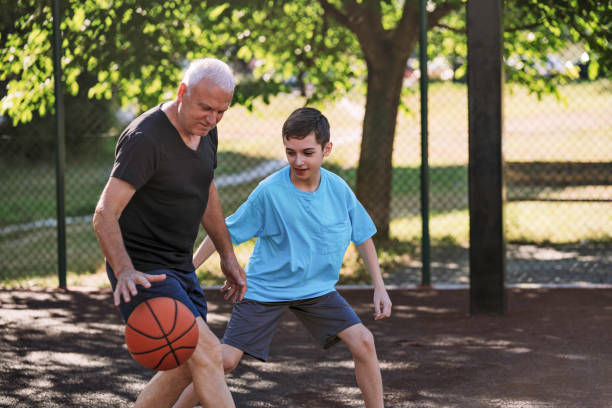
pixel 136 49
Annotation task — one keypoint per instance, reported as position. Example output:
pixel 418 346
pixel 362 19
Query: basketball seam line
pixel 170 342
pixel 143 334
pixel 164 333
pixel 159 348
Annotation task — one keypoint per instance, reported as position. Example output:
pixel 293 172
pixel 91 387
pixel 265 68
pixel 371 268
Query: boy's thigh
pixel 252 326
pixel 325 316
pixel 181 286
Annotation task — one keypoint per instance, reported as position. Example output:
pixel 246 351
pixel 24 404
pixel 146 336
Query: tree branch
pixel 523 27
pixel 335 13
pixel 530 26
pixel 453 29
pixel 360 20
pixel 442 10
pixel 409 20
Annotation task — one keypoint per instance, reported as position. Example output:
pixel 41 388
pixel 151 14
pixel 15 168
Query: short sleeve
pixel 362 225
pixel 256 217
pixel 246 222
pixel 135 159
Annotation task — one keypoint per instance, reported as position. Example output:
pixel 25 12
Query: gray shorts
pixel 253 323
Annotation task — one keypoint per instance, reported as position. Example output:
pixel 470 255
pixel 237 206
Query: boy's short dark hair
pixel 303 121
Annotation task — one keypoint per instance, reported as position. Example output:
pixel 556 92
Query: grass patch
pixel 33 254
pixel 559 222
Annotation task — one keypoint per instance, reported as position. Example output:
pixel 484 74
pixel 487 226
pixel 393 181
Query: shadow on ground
pixel 551 349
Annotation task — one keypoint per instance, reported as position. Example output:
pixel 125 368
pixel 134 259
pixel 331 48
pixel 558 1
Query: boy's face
pixel 305 157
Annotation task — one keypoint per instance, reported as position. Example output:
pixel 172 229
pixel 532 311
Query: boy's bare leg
pixel 204 368
pixel 360 342
pixel 231 358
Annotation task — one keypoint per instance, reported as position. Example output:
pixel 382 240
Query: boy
pixel 304 218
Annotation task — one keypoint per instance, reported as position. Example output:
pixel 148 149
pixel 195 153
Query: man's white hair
pixel 215 70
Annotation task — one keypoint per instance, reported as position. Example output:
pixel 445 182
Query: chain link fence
pixel 28 210
pixel 28 245
pixel 558 182
pixel 559 185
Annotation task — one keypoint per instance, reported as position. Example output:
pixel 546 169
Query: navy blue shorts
pixel 182 286
pixel 253 323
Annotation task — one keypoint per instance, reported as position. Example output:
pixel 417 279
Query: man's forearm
pixel 214 224
pixel 111 241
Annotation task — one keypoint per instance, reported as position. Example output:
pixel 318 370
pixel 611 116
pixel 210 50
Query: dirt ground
pixel 551 349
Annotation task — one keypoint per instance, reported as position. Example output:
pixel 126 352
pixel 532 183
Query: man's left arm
pixel 214 224
pixel 382 302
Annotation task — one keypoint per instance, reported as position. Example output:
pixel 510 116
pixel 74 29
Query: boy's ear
pixel 327 149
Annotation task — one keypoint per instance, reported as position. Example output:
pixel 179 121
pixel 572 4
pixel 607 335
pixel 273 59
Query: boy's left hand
pixel 382 304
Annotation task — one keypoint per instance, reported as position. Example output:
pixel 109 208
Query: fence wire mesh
pixel 559 185
pixel 558 178
pixel 28 245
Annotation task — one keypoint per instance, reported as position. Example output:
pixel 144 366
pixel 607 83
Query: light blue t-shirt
pixel 302 237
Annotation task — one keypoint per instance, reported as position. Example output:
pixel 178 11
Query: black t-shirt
pixel 160 223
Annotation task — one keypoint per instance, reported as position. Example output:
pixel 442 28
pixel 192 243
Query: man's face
pixel 305 157
pixel 201 107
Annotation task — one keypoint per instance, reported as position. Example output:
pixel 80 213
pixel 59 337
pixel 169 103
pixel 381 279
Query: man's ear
pixel 327 149
pixel 181 91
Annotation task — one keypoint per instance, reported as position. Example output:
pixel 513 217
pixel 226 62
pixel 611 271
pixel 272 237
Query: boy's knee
pixel 231 358
pixel 363 343
pixel 229 364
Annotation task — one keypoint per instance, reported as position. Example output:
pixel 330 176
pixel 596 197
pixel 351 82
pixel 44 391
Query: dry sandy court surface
pixel 551 349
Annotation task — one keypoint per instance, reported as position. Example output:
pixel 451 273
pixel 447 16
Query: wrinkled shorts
pixel 253 323
pixel 182 286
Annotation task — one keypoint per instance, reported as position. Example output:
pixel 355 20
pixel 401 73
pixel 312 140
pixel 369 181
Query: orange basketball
pixel 161 333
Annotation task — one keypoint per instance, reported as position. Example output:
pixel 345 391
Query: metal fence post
pixel 61 146
pixel 423 81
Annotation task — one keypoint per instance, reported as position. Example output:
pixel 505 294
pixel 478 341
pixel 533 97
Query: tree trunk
pixel 386 52
pixel 375 172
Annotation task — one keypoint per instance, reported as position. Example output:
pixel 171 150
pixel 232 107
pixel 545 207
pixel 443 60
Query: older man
pixel 160 189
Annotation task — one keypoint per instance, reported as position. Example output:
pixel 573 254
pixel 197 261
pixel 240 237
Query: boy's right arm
pixel 204 251
pixel 382 303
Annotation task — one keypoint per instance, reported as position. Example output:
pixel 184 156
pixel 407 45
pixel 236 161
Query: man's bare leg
pixel 360 342
pixel 231 358
pixel 204 368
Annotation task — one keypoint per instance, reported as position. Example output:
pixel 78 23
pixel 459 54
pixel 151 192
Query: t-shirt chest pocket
pixel 335 237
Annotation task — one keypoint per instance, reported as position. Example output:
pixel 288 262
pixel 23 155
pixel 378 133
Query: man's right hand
pixel 127 281
pixel 235 279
